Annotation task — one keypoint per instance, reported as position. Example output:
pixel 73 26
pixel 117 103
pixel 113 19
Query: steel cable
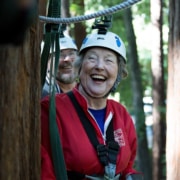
pixel 81 18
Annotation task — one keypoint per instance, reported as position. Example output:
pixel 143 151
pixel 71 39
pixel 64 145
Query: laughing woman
pixel 97 134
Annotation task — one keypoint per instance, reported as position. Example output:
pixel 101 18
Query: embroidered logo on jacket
pixel 119 137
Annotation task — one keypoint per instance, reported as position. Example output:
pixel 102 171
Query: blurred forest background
pixel 151 32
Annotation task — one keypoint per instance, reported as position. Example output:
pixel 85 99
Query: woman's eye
pixel 92 57
pixel 109 60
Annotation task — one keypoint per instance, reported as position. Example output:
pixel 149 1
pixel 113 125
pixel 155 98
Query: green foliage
pixel 76 8
pixel 142 9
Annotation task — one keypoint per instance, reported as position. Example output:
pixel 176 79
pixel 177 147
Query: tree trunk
pixel 80 33
pixel 65 8
pixel 66 13
pixel 144 163
pixel 173 94
pixel 159 123
pixel 19 107
pixel 79 28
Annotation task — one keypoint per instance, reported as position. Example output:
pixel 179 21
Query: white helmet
pixel 109 40
pixel 67 42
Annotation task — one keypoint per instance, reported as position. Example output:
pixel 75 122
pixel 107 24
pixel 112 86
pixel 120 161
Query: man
pixel 66 71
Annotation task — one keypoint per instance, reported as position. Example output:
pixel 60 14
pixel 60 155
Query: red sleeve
pixel 47 171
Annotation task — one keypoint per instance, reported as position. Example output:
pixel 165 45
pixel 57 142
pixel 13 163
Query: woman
pixel 97 134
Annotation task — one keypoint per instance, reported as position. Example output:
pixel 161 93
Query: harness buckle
pixel 113 178
pixel 102 154
pixel 113 149
pixel 110 169
pixel 102 177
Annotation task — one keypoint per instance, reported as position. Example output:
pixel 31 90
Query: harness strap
pixel 52 42
pixel 86 124
pixel 72 175
pixel 102 154
pixel 113 149
pixel 107 154
pixel 110 133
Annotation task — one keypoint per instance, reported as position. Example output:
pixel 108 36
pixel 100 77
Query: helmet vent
pixel 100 38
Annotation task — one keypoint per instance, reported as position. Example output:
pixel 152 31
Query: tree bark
pixel 173 95
pixel 79 28
pixel 158 90
pixel 144 163
pixel 20 108
pixel 65 8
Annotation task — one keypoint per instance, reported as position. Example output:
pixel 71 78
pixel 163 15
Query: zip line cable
pixel 77 19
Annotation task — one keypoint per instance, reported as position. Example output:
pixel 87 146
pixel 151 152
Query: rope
pixel 77 19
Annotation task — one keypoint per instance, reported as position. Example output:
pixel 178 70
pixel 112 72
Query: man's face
pixel 66 72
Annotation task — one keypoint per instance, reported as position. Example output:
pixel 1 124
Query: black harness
pixel 106 153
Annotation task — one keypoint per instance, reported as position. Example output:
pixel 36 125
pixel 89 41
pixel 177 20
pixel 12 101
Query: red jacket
pixel 79 153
